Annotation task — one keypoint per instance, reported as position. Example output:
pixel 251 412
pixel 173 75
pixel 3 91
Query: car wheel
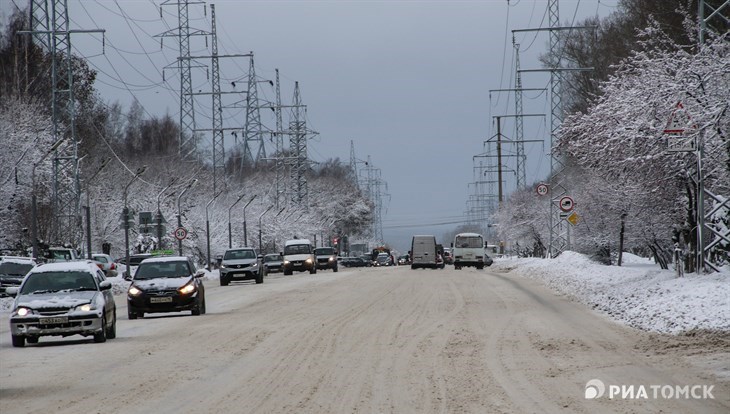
pixel 111 333
pixel 259 278
pixel 313 271
pixel 224 282
pixel 334 269
pixel 480 267
pixel 131 315
pixel 203 310
pixel 100 336
pixel 287 272
pixel 18 341
pixel 197 309
pixel 32 339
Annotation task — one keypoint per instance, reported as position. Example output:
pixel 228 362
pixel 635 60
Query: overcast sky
pixel 407 81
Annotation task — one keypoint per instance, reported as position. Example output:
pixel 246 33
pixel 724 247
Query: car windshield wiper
pixel 41 291
pixel 81 289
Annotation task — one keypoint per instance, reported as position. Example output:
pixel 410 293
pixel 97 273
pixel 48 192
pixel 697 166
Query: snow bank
pixel 639 294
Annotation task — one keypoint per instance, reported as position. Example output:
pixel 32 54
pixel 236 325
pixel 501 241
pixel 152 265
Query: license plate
pixel 53 320
pixel 166 299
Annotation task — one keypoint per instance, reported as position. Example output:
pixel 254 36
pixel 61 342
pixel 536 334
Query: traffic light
pixel 335 241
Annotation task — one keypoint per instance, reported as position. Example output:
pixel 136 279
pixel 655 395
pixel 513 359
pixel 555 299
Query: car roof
pixel 240 248
pixel 81 265
pixel 297 241
pixel 17 259
pixel 468 235
pixel 165 259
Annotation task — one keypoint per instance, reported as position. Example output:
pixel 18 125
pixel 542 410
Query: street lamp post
pixel 276 224
pixel 207 224
pixel 260 217
pixel 88 207
pixel 34 202
pixel 245 231
pixel 179 213
pixel 230 235
pixel 158 219
pixel 125 213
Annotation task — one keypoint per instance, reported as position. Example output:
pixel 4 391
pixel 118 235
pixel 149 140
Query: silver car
pixel 63 299
pixel 241 264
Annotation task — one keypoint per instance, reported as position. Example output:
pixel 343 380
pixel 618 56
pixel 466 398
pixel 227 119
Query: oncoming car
pixel 12 271
pixel 299 255
pixel 166 284
pixel 63 299
pixel 326 258
pixel 241 264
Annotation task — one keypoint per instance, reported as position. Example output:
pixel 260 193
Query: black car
pixel 166 284
pixel 12 271
pixel 326 258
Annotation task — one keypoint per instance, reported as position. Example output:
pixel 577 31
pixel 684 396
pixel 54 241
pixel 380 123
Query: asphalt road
pixel 391 340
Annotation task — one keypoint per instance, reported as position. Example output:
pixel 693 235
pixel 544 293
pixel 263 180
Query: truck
pixel 468 250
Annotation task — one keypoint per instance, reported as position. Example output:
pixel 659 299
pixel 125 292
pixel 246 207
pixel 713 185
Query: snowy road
pixel 361 340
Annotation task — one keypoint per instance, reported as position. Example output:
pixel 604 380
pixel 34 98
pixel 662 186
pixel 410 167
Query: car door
pixel 110 305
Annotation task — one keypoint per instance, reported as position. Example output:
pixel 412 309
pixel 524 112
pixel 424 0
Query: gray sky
pixel 407 81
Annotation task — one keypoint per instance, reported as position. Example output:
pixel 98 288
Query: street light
pixel 179 214
pixel 158 219
pixel 34 207
pixel 125 213
pixel 260 217
pixel 276 224
pixel 245 231
pixel 230 236
pixel 207 224
pixel 88 206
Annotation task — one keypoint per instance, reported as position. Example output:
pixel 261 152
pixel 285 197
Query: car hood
pixel 56 300
pixel 238 262
pixel 162 283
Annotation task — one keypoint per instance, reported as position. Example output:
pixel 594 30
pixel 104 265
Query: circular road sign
pixel 542 189
pixel 181 233
pixel 567 204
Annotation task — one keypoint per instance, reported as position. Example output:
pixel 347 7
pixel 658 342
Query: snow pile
pixel 639 294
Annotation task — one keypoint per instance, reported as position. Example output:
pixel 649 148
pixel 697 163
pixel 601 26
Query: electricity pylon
pixel 253 135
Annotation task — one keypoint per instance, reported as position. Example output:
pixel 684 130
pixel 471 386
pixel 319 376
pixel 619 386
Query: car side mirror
pixel 452 245
pixel 486 245
pixel 260 257
pixel 200 273
pixel 127 277
pixel 12 291
pixel 281 254
pixel 105 285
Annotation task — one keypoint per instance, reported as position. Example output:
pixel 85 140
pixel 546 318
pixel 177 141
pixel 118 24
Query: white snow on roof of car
pixel 297 241
pixel 17 259
pixel 82 265
pixel 166 259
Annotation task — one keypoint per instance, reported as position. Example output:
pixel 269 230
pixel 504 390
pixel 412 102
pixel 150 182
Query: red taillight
pixel 100 266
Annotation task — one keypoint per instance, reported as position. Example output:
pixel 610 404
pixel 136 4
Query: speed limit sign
pixel 181 233
pixel 541 189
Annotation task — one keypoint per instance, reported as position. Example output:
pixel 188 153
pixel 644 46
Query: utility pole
pixel 558 241
pixel 219 149
pixel 252 130
pixel 184 66
pixel 500 196
pixel 50 27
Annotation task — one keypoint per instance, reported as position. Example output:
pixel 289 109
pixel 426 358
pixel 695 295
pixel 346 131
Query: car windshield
pixel 297 249
pixel 47 282
pixel 321 251
pixel 469 242
pixel 60 255
pixel 14 269
pixel 273 258
pixel 101 259
pixel 136 260
pixel 239 254
pixel 155 270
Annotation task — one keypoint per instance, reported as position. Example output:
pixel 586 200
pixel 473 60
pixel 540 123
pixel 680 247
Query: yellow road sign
pixel 573 218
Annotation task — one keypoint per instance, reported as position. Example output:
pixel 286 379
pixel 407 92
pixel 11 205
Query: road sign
pixel 542 189
pixel 567 204
pixel 573 218
pixel 181 233
pixel 679 121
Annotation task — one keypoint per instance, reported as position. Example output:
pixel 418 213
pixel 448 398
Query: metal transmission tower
pixel 252 130
pixel 353 164
pixel 50 27
pixel 519 135
pixel 558 241
pixel 707 13
pixel 299 190
pixel 376 190
pixel 184 66
pixel 279 135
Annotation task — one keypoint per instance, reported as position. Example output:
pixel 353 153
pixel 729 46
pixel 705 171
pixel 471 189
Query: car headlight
pixel 134 291
pixel 85 307
pixel 254 264
pixel 187 289
pixel 286 262
pixel 332 259
pixel 308 261
pixel 223 266
pixel 22 311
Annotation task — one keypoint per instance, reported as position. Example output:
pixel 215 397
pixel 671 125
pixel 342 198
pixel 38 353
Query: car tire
pixel 131 315
pixel 287 272
pixel 480 267
pixel 32 339
pixel 18 341
pixel 111 333
pixel 259 278
pixel 100 336
pixel 197 310
pixel 313 271
pixel 224 282
pixel 334 269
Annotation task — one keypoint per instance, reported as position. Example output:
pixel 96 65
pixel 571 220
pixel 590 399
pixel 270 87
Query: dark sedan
pixel 273 263
pixel 166 284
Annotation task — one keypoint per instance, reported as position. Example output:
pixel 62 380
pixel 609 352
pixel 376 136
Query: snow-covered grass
pixel 639 293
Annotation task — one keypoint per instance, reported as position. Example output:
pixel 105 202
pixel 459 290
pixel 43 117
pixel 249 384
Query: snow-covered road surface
pixel 374 340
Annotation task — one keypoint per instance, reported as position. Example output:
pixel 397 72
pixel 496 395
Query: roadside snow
pixel 639 294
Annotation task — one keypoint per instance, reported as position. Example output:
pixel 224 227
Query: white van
pixel 423 252
pixel 298 255
pixel 468 250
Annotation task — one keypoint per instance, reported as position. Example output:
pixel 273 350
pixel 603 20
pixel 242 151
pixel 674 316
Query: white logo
pixel 595 389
